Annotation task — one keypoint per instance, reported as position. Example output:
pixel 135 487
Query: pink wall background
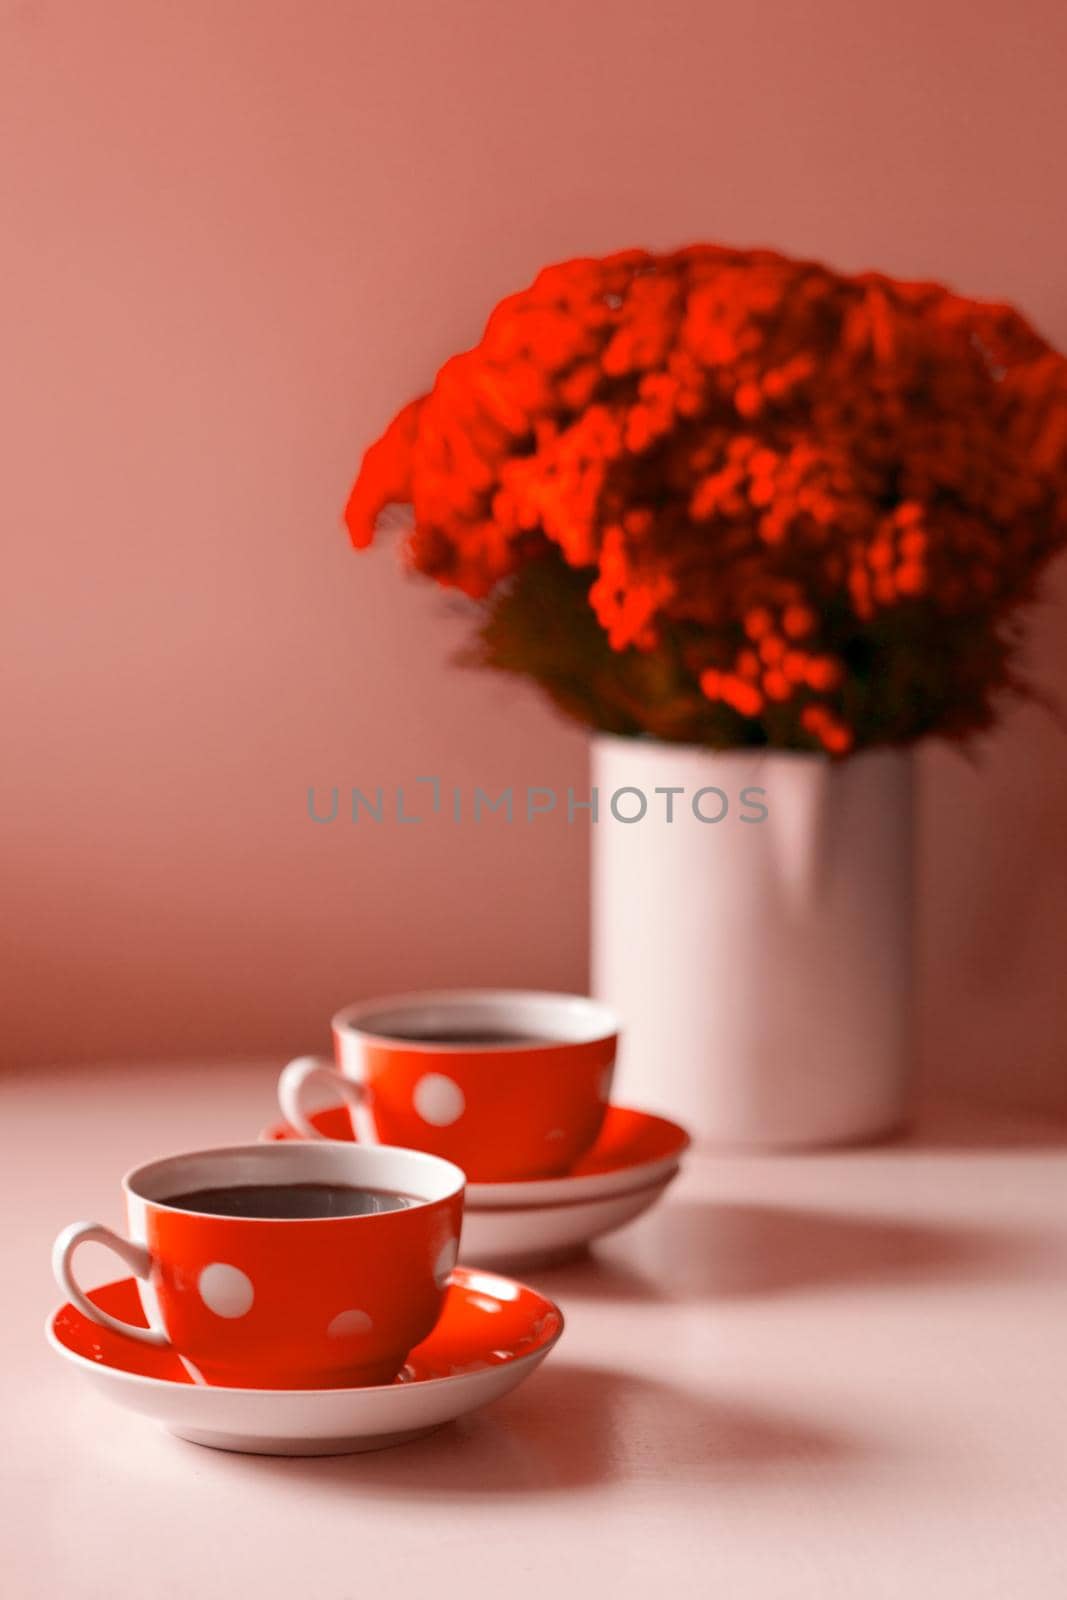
pixel 236 237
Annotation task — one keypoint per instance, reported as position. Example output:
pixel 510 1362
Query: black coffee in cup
pixel 279 1201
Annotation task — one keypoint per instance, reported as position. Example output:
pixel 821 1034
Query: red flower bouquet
pixel 730 498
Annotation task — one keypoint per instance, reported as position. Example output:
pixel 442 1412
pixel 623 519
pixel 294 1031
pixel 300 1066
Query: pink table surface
pixel 835 1376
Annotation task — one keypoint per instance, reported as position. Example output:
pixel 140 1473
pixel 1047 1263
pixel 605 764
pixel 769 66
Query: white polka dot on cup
pixel 439 1100
pixel 604 1083
pixel 349 1324
pixel 444 1261
pixel 226 1290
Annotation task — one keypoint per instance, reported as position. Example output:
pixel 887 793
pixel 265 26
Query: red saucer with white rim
pixel 525 1238
pixel 492 1334
pixel 633 1150
pixel 539 1222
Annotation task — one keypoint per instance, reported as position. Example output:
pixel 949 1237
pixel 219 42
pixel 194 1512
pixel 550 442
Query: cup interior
pixel 491 1020
pixel 425 1178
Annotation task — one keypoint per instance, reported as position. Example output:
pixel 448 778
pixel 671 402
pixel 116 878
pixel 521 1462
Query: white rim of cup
pixel 599 1022
pixel 324 1152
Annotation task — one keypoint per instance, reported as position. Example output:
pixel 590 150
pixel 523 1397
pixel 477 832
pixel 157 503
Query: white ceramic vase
pixel 761 964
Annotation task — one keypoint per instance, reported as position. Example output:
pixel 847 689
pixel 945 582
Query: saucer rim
pixel 514 1239
pixel 502 1195
pixel 654 1179
pixel 419 1385
pixel 523 1193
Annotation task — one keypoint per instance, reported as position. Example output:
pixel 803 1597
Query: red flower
pixel 718 449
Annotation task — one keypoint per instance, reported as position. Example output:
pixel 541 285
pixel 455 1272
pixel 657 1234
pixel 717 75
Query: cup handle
pixel 305 1070
pixel 135 1256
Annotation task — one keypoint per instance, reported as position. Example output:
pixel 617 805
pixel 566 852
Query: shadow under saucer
pixel 574 1426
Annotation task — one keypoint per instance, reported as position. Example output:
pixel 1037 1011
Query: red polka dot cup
pixel 284 1302
pixel 508 1084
